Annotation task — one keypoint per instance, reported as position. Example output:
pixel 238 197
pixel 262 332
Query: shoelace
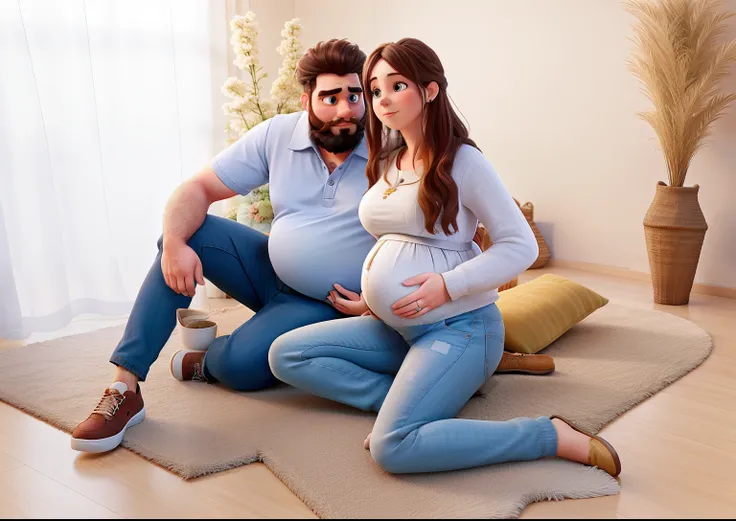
pixel 109 404
pixel 198 375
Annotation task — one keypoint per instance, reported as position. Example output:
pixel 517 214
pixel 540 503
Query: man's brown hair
pixel 334 56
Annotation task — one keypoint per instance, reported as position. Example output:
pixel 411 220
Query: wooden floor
pixel 678 450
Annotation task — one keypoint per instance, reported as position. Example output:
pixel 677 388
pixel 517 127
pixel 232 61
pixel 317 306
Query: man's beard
pixel 322 135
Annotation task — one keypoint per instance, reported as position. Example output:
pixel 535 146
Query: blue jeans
pixel 418 379
pixel 235 258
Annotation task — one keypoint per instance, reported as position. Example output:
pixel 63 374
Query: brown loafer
pixel 601 453
pixel 525 363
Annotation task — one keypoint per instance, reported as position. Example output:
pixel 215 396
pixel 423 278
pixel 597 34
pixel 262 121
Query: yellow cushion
pixel 537 313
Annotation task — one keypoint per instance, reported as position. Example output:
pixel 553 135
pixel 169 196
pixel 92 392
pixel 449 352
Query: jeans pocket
pixel 462 323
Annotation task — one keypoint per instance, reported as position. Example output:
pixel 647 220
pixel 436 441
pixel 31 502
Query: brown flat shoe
pixel 601 454
pixel 525 363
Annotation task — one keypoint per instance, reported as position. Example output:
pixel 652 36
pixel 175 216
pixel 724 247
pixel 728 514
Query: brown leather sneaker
pixel 525 363
pixel 187 365
pixel 601 454
pixel 104 429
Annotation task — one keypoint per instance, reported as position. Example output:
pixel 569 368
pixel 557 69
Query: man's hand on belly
pixel 370 313
pixel 432 293
pixel 352 305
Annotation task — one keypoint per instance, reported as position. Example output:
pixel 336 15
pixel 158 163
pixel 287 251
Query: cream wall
pixel 545 89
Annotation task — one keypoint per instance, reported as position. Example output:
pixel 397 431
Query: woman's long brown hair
pixel 442 131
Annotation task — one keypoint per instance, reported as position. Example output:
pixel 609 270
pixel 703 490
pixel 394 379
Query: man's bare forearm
pixel 185 212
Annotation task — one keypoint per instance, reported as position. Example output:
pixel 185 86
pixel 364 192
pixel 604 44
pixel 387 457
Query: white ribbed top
pixel 471 277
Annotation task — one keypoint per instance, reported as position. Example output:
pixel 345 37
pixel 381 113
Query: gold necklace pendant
pixel 389 191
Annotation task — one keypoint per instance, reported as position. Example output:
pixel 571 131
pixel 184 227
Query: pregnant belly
pixel 388 266
pixel 311 256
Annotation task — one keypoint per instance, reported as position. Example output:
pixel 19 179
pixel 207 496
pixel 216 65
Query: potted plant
pixel 679 61
pixel 248 106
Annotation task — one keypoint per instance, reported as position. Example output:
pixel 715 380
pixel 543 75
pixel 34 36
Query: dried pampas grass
pixel 680 62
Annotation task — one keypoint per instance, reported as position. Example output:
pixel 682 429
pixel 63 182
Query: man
pixel 314 162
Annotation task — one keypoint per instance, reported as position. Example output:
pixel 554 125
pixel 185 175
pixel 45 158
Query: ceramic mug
pixel 197 331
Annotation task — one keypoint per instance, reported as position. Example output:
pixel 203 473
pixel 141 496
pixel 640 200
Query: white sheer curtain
pixel 105 107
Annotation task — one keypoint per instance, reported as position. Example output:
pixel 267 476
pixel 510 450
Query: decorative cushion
pixel 537 313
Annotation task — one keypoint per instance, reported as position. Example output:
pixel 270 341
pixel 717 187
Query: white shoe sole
pixel 175 364
pixel 106 444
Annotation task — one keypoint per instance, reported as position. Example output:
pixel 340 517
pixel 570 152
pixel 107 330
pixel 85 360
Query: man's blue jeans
pixel 235 258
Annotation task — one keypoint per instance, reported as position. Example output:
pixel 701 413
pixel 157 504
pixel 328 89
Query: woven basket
pixel 544 254
pixel 481 238
pixel 484 241
pixel 510 284
pixel 674 227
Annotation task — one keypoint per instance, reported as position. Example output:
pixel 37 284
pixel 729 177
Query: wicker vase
pixel 674 227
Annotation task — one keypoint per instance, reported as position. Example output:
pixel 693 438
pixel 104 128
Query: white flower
pixel 237 125
pixel 244 62
pixel 238 106
pixel 246 107
pixel 234 88
pixel 237 22
pixel 244 41
pixel 285 90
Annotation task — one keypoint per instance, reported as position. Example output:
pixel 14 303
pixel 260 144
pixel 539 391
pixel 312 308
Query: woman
pixel 434 346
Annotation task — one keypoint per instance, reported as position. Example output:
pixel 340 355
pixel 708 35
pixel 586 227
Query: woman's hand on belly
pixel 432 293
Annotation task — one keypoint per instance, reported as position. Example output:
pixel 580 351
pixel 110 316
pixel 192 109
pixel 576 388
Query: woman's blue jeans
pixel 417 379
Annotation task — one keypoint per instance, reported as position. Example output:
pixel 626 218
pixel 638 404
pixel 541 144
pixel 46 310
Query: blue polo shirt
pixel 316 238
